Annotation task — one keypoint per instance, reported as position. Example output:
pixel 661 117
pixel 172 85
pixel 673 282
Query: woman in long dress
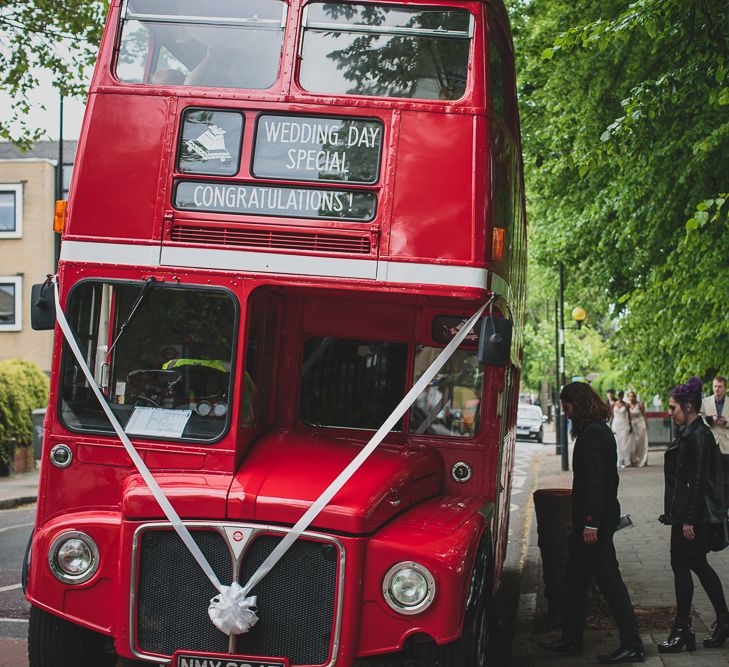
pixel 639 455
pixel 623 430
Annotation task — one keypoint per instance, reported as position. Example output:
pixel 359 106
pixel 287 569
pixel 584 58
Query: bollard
pixel 554 522
pixel 37 417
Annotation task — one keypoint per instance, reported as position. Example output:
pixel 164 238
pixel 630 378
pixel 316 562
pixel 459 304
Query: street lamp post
pixel 557 406
pixel 578 315
pixel 563 380
pixel 59 181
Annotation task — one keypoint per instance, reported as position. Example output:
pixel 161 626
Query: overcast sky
pixel 47 96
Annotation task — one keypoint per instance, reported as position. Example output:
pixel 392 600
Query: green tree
pixel 625 123
pixel 586 350
pixel 23 388
pixel 59 36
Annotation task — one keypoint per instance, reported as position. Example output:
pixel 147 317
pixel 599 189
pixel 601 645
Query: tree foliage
pixel 23 388
pixel 59 36
pixel 625 124
pixel 586 350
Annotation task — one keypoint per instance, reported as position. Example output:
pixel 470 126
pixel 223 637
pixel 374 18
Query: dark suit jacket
pixel 595 483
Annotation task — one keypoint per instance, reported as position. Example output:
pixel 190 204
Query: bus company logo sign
pixel 210 145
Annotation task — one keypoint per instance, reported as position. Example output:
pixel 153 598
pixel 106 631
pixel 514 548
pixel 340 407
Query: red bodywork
pixel 436 192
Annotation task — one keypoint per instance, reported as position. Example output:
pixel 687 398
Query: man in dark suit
pixel 595 516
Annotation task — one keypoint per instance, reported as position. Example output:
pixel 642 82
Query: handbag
pixel 720 537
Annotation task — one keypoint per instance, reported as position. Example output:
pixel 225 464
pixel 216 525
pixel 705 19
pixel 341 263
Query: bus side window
pixel 501 78
pixel 496 78
pixel 257 398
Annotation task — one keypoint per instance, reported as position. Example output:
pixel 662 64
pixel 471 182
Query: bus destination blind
pixel 312 148
pixel 270 200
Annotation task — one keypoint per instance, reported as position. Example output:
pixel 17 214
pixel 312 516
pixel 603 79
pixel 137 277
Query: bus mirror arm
pixel 494 341
pixel 42 307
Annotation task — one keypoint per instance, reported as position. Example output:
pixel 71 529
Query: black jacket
pixel 595 482
pixel 694 489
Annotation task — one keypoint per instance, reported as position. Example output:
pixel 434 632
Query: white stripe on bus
pixel 262 262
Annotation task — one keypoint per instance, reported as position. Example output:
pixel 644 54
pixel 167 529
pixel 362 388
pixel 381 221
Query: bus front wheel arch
pixel 480 639
pixel 54 642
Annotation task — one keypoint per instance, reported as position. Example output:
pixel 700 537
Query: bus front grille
pixel 296 600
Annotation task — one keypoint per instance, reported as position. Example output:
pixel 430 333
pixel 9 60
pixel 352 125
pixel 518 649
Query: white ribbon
pixel 231 611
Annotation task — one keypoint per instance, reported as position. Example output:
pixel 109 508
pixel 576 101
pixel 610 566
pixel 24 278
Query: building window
pixel 11 289
pixel 11 211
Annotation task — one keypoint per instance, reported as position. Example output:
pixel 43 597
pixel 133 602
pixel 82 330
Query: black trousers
pixel 599 560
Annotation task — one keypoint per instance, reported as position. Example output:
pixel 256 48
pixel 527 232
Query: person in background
pixel 639 452
pixel 623 430
pixel 595 517
pixel 611 401
pixel 694 508
pixel 714 411
pixel 611 398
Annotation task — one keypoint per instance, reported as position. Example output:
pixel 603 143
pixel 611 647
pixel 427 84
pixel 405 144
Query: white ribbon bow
pixel 231 611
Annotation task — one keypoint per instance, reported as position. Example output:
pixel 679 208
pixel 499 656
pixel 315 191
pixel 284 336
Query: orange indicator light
pixel 59 216
pixel 498 241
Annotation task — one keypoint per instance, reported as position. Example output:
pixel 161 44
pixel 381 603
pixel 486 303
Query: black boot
pixel 719 632
pixel 682 634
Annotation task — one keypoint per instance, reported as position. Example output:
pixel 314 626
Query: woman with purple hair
pixel 694 508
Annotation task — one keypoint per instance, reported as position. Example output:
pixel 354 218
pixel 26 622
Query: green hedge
pixel 23 388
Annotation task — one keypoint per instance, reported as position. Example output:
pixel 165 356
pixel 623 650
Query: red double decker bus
pixel 281 216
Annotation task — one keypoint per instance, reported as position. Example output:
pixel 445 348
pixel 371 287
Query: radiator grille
pixel 174 593
pixel 296 600
pixel 357 244
pixel 302 586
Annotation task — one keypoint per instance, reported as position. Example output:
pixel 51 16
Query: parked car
pixel 530 422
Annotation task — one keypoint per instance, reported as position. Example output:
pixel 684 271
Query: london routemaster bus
pixel 288 316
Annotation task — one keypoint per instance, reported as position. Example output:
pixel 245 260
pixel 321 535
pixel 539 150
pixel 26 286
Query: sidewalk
pixel 645 563
pixel 18 490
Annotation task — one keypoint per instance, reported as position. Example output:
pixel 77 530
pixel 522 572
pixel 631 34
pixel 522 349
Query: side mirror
pixel 494 342
pixel 42 307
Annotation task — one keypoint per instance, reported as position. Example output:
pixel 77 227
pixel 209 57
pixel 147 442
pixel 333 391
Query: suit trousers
pixel 599 560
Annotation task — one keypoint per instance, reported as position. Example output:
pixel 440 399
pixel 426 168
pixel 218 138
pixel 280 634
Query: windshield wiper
pixel 142 294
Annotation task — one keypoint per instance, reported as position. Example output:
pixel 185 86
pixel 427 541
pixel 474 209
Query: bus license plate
pixel 185 659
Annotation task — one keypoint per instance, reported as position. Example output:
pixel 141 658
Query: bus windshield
pixel 162 356
pixel 386 50
pixel 208 43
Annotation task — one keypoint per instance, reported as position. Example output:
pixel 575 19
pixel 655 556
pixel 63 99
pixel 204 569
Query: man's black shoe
pixel 622 655
pixel 561 646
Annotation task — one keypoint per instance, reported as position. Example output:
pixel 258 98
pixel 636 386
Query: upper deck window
pixel 386 50
pixel 208 43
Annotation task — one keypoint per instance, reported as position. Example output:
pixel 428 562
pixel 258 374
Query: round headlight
pixel 409 588
pixel 73 557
